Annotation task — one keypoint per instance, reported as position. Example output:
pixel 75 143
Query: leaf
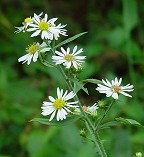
pixel 129 121
pixel 94 81
pixel 130 14
pixel 78 86
pixel 70 39
pixel 109 124
pixel 66 121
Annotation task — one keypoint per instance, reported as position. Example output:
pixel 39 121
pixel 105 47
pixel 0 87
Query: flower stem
pixel 88 121
pixel 105 113
pixel 89 124
pixel 97 141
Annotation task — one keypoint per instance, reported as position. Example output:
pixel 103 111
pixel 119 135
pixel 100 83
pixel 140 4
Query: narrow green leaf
pixel 94 81
pixel 78 86
pixel 130 14
pixel 66 121
pixel 109 124
pixel 129 121
pixel 70 39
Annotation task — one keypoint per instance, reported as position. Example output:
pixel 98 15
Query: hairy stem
pixel 105 113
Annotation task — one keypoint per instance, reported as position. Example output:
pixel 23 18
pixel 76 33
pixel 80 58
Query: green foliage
pixel 129 121
pixel 69 40
pixel 113 46
pixel 54 122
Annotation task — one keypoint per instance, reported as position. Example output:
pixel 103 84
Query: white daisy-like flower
pixel 33 51
pixel 27 21
pixel 46 28
pixel 69 59
pixel 113 88
pixel 92 110
pixel 59 106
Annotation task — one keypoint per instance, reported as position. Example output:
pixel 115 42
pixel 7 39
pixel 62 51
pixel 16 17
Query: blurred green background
pixel 114 46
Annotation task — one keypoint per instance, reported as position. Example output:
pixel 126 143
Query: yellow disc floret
pixel 33 48
pixel 43 26
pixel 27 20
pixel 116 88
pixel 59 103
pixel 69 57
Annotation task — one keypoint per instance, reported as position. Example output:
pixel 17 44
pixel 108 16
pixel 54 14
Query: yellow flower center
pixel 33 48
pixel 69 57
pixel 116 88
pixel 27 20
pixel 59 103
pixel 43 26
pixel 85 108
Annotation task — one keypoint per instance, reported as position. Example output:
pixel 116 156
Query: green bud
pixel 83 133
pixel 101 103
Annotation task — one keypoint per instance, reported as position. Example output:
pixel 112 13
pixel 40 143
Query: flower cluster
pixel 61 106
pixel 47 29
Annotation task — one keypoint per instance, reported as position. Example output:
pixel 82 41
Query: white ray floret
pixel 69 59
pixel 33 51
pixel 46 28
pixel 59 106
pixel 92 110
pixel 113 88
pixel 25 24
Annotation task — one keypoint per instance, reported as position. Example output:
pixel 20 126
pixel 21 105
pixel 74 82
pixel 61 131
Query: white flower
pixel 138 154
pixel 113 88
pixel 69 59
pixel 27 21
pixel 92 110
pixel 46 28
pixel 59 106
pixel 33 52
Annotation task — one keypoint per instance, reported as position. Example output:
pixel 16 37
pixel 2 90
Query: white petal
pixel 35 57
pixel 45 17
pixel 79 51
pixel 63 51
pixel 75 48
pixel 75 64
pixel 58 93
pixel 36 33
pixel 115 95
pixel 59 53
pixel 51 99
pixel 108 93
pixel 52 116
pixel 120 80
pixel 23 57
pixel 68 50
pixel 29 59
pixel 31 29
pixel 124 93
pixel 47 111
pixel 69 96
pixel 68 65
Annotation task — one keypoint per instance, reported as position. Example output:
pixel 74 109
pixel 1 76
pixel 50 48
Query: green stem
pixel 89 124
pixel 97 141
pixel 105 113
